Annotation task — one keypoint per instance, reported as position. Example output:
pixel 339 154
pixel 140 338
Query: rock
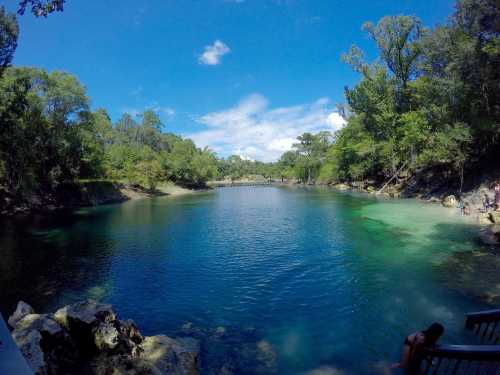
pixel 484 219
pixel 342 187
pixel 495 217
pixel 266 354
pixel 449 201
pixel 39 322
pixel 29 345
pixel 88 312
pixel 169 356
pixel 129 328
pixel 371 190
pixel 220 331
pixel 22 310
pixel 106 337
pixel 91 325
pixel 45 344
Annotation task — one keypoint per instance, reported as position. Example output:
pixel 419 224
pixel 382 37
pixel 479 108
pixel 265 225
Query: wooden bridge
pixel 482 359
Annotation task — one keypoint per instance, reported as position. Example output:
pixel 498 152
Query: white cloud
pixel 336 120
pixel 213 53
pixel 253 130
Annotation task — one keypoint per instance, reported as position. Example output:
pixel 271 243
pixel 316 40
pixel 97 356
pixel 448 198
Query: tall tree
pixel 9 32
pixel 398 40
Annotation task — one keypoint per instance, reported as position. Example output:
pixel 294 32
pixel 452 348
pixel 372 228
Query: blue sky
pixel 241 76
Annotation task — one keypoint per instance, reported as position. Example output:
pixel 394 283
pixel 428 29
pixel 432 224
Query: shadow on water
pixel 472 273
pixel 50 260
pixel 41 262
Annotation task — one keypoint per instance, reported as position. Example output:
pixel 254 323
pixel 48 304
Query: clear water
pixel 328 279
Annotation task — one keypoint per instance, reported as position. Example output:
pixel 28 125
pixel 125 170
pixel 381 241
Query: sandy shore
pixel 166 189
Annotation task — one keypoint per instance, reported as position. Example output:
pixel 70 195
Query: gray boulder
pixel 90 324
pixel 449 201
pixel 22 310
pixel 87 312
pixel 44 343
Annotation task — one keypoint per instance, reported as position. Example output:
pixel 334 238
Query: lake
pixel 328 279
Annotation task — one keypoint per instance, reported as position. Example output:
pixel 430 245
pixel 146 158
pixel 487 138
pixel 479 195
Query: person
pixel 414 345
pixel 486 203
pixel 461 207
pixel 467 209
pixel 497 195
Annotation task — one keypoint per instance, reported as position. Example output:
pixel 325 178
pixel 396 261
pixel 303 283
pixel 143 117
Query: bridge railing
pixel 461 359
pixel 485 325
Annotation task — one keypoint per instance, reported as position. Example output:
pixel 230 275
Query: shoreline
pixel 90 194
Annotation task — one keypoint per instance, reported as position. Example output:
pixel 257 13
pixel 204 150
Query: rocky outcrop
pixel 495 217
pixel 449 201
pixel 87 337
pixel 22 310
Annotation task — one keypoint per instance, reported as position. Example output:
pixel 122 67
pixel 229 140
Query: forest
pixel 430 101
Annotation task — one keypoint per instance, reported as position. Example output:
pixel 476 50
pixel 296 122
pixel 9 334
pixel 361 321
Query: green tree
pixel 9 32
pixel 398 40
pixel 41 7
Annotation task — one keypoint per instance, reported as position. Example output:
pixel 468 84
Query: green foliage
pixel 42 118
pixel 41 7
pixel 9 32
pixel 432 100
pixel 50 137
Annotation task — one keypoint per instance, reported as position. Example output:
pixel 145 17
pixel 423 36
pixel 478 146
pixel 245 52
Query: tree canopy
pixel 431 100
pixel 41 7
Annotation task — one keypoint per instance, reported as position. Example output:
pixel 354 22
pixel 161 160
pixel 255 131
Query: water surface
pixel 327 278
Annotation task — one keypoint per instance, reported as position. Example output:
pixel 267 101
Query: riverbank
pixel 85 194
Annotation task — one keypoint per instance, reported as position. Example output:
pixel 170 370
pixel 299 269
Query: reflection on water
pixel 325 278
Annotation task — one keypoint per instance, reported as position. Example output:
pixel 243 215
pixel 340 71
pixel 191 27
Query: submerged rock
pixel 169 356
pixel 474 274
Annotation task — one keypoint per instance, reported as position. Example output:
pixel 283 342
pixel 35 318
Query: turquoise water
pixel 329 280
